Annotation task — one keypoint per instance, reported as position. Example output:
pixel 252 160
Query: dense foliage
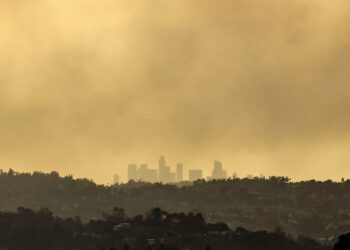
pixel 317 209
pixel 343 242
pixel 157 229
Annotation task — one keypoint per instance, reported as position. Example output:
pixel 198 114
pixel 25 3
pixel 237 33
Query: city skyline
pixel 164 173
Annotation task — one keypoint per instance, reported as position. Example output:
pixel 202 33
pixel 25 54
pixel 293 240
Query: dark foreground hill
pixel 317 209
pixel 156 230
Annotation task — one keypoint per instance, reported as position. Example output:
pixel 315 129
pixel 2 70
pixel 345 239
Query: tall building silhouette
pixel 132 172
pixel 146 174
pixel 162 168
pixel 195 174
pixel 116 179
pixel 165 174
pixel 218 172
pixel 143 172
pixel 161 163
pixel 152 175
pixel 179 172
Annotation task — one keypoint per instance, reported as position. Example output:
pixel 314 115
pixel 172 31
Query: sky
pixel 87 86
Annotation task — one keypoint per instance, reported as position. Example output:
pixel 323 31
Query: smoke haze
pixel 87 87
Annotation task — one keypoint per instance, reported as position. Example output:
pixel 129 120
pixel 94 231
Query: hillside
pixel 317 209
pixel 154 230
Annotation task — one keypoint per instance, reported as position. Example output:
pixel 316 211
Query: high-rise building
pixel 218 172
pixel 147 175
pixel 195 174
pixel 172 177
pixel 152 175
pixel 161 162
pixel 165 174
pixel 143 172
pixel 179 172
pixel 116 179
pixel 161 168
pixel 132 172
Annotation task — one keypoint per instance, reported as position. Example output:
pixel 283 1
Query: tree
pixel 343 242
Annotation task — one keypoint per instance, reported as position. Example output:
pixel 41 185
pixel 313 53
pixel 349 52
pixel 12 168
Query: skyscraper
pixel 164 171
pixel 152 175
pixel 147 175
pixel 161 162
pixel 116 179
pixel 143 172
pixel 218 172
pixel 195 174
pixel 132 172
pixel 179 172
pixel 164 174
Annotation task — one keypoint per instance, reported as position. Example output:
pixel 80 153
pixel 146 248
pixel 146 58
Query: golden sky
pixel 88 86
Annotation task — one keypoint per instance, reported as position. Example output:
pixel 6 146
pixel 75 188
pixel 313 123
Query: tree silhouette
pixel 343 242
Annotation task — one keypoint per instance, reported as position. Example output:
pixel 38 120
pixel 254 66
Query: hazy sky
pixel 88 86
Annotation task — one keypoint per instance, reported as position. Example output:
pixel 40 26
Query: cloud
pixel 262 85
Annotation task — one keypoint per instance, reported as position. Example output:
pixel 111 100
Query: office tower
pixel 161 168
pixel 132 172
pixel 218 172
pixel 161 162
pixel 116 179
pixel 172 177
pixel 195 174
pixel 152 175
pixel 166 175
pixel 179 172
pixel 164 171
pixel 143 172
pixel 147 175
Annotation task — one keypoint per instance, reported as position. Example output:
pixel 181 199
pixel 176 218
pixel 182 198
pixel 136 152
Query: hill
pixel 155 230
pixel 317 209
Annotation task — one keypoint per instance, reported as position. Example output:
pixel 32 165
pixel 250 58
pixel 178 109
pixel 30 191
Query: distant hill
pixel 317 209
pixel 154 230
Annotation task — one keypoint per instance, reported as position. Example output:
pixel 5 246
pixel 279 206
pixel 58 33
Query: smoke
pixel 88 86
